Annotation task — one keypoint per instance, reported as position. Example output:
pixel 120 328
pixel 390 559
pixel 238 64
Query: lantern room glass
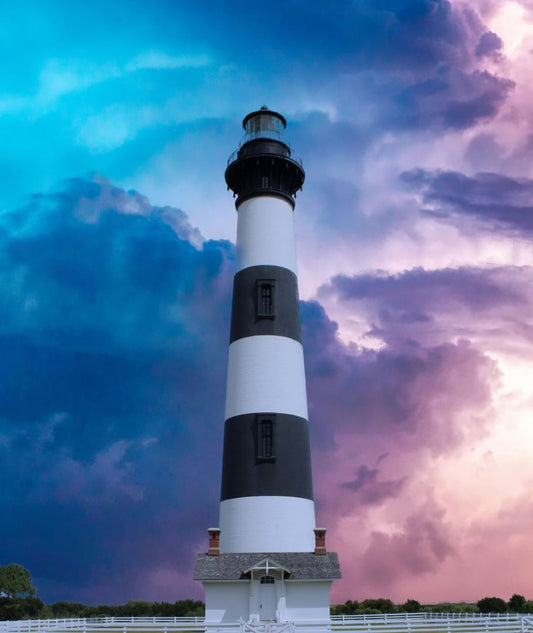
pixel 264 125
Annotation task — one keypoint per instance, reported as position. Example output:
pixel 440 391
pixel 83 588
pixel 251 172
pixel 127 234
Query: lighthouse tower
pixel 266 561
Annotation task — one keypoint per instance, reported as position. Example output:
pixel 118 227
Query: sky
pixel 117 252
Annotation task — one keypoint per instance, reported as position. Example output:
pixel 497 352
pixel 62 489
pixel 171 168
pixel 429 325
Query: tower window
pixel 265 308
pixel 265 438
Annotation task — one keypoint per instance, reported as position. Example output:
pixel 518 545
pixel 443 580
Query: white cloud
pixel 60 77
pixel 158 60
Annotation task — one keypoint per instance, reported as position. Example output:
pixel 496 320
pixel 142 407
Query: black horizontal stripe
pixel 247 316
pixel 247 473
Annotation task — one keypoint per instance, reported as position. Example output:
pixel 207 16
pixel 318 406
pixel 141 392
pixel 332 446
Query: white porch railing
pixel 266 627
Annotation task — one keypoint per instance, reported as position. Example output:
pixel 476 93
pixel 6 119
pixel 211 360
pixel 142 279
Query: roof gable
pixel 267 564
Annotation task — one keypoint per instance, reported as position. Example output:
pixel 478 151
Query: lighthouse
pixel 266 561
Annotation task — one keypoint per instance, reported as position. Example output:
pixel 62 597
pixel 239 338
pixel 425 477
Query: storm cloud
pixel 500 202
pixel 110 341
pixel 118 314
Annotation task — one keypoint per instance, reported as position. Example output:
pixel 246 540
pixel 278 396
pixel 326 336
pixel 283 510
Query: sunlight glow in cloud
pixel 514 26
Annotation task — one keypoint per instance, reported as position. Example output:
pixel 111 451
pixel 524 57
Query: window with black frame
pixel 265 300
pixel 265 438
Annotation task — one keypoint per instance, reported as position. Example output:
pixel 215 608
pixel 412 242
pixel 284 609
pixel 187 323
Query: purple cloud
pixel 421 546
pixel 422 399
pixel 489 45
pixel 373 491
pixel 452 98
pixel 499 202
pixel 419 308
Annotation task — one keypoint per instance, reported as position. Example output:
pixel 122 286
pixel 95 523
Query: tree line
pixel 516 604
pixel 31 608
pixel 18 601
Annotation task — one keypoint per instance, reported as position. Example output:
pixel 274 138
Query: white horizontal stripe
pixel 267 524
pixel 266 373
pixel 265 233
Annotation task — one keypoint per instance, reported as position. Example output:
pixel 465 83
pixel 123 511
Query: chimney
pixel 320 540
pixel 214 542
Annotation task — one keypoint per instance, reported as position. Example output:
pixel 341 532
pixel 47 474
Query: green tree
pixel 410 606
pixel 65 609
pixel 382 605
pixel 15 581
pixel 492 605
pixel 527 607
pixel 138 608
pixel 516 602
pixel 348 608
pixel 20 608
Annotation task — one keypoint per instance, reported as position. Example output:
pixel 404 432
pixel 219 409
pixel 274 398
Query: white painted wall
pixel 267 524
pixel 226 601
pixel 265 233
pixel 266 374
pixel 304 601
pixel 307 600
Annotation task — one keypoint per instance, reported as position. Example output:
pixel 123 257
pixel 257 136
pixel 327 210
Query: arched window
pixel 267 580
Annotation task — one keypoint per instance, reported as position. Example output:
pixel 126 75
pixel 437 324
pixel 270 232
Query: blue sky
pixel 117 256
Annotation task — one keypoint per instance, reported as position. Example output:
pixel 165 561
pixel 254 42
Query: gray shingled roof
pixel 301 565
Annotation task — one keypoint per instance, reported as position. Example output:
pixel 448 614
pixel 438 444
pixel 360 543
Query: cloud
pixel 61 77
pixel 383 419
pixel 372 490
pixel 115 314
pixel 421 308
pixel 389 66
pixel 413 404
pixel 114 356
pixel 104 369
pixel 115 308
pixel 412 34
pixel 420 546
pixel 452 98
pixel 499 202
pixel 489 45
pixel 158 60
